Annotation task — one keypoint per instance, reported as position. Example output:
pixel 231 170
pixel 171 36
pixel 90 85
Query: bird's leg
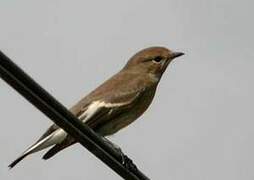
pixel 114 146
pixel 126 161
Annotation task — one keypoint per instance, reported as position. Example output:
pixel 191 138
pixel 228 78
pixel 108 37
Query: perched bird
pixel 114 104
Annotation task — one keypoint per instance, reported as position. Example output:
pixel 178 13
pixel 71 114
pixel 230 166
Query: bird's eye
pixel 158 59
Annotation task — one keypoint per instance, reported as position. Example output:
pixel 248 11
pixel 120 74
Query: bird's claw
pixel 128 163
pixel 125 160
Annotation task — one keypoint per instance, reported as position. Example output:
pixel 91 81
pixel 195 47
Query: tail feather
pixel 58 147
pixel 34 148
pixel 17 160
pixel 50 153
pixel 46 142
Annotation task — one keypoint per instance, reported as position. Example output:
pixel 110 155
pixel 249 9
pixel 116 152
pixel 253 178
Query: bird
pixel 114 104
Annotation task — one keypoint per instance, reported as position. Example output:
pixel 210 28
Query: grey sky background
pixel 200 125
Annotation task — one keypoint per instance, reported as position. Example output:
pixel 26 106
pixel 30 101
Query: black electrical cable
pixel 47 104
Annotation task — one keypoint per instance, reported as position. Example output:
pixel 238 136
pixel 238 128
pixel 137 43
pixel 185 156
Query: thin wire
pixel 47 104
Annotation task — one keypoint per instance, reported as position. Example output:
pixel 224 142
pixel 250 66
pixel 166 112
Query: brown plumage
pixel 116 103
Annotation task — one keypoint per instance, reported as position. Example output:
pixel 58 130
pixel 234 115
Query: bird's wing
pixel 91 109
pixel 101 110
pixel 95 114
pixel 106 110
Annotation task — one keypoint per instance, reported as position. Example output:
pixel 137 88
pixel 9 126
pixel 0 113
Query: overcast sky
pixel 200 125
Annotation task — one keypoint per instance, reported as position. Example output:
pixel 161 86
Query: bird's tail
pixel 51 139
pixel 17 160
pixel 68 141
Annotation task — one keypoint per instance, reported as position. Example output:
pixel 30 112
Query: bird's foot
pixel 125 160
pixel 128 163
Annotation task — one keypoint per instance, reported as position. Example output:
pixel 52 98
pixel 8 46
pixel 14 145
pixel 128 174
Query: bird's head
pixel 153 60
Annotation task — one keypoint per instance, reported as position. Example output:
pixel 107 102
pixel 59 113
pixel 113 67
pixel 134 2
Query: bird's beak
pixel 176 54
